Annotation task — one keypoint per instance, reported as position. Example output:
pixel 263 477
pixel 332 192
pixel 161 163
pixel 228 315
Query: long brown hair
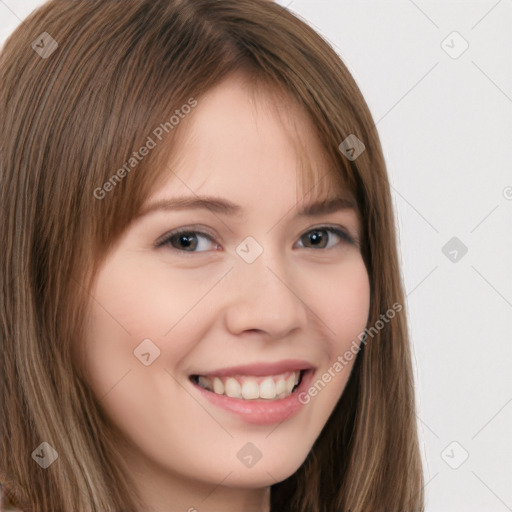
pixel 71 118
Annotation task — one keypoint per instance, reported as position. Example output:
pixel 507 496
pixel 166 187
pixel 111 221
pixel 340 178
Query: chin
pixel 265 475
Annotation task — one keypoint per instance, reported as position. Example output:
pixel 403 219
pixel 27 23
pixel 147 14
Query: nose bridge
pixel 263 296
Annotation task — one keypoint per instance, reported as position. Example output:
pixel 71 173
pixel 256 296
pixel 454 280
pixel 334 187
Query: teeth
pixel 290 383
pixel 280 388
pixel 252 388
pixel 218 386
pixel 204 381
pixel 232 388
pixel 268 388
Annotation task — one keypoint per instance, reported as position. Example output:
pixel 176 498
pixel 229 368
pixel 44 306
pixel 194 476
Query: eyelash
pixel 166 239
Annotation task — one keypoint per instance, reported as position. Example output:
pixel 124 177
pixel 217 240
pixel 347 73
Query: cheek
pixel 149 298
pixel 132 303
pixel 343 304
pixel 125 310
pixel 343 307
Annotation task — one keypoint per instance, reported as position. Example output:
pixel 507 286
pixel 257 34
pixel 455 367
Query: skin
pixel 210 309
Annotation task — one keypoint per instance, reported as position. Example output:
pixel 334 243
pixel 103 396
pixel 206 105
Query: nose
pixel 264 296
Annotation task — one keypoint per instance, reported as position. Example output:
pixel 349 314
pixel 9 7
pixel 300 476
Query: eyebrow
pixel 225 207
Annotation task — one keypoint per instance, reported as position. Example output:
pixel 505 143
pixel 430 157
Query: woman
pixel 189 323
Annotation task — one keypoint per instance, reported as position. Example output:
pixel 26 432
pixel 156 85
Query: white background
pixel 446 129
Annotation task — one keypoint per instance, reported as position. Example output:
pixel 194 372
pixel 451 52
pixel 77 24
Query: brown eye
pixel 184 241
pixel 187 240
pixel 324 237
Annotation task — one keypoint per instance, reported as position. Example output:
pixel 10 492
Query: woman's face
pixel 250 297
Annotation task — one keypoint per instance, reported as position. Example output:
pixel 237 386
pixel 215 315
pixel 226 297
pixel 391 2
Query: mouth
pixel 252 387
pixel 260 394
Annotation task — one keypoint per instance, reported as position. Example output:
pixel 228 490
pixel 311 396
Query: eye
pixel 324 237
pixel 187 240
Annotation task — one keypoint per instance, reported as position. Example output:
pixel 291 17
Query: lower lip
pixel 261 412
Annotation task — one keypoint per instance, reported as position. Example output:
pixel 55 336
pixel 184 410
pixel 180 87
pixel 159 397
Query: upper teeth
pixel 252 388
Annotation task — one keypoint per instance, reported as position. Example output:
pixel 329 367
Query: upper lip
pixel 261 369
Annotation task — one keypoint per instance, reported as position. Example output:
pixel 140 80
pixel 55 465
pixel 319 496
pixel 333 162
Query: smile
pixel 248 387
pixel 258 393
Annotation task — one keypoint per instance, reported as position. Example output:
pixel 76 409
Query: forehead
pixel 253 142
